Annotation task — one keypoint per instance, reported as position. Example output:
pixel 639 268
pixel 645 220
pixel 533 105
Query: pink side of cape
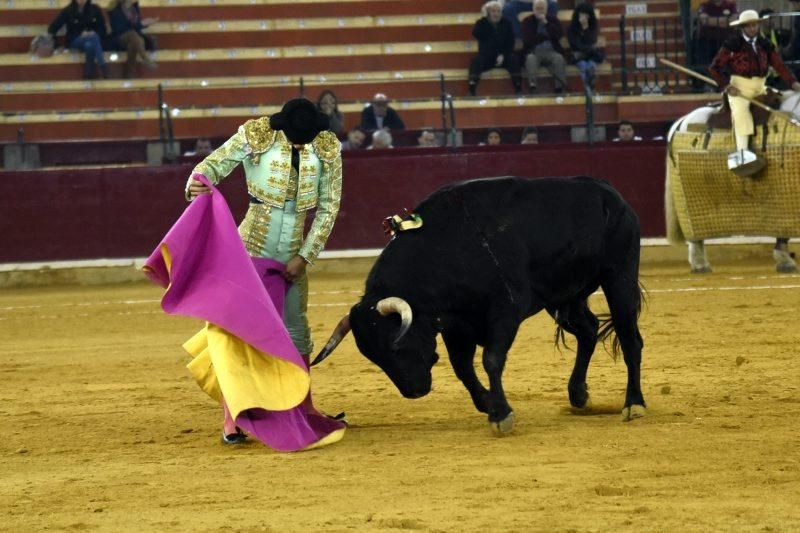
pixel 212 278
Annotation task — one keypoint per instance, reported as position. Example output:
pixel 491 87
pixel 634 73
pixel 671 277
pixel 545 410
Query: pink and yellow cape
pixel 244 354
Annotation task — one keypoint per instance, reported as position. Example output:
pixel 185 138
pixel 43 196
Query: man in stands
pixel 202 148
pixel 86 30
pixel 530 135
pixel 427 139
pixel 626 133
pixel 381 139
pixel 380 115
pixel 512 10
pixel 355 139
pixel 541 38
pixel 495 47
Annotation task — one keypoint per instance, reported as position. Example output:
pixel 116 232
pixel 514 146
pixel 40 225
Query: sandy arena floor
pixel 104 429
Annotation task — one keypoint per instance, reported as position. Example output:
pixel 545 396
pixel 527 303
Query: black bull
pixel 491 253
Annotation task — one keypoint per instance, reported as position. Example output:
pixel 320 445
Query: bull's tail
pixel 606 331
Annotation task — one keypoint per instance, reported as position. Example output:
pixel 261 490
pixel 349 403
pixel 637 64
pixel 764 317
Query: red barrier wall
pixel 123 212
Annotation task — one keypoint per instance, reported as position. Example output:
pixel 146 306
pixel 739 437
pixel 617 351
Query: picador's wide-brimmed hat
pixel 300 121
pixel 748 16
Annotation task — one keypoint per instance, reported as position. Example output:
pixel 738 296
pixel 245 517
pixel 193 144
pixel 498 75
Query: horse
pixel 697 127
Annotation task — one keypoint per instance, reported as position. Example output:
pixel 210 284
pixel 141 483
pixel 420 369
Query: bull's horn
pixel 342 329
pixel 393 304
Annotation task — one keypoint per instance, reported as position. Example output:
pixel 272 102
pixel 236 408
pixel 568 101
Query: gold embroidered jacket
pixel 266 156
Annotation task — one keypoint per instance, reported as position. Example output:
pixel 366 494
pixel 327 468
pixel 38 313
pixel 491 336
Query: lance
pixel 713 83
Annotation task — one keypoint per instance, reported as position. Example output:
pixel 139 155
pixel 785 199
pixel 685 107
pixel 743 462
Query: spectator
pixel 626 132
pixel 582 35
pixel 493 138
pixel 778 40
pixel 85 32
pixel 327 103
pixel 427 139
pixel 495 47
pixel 530 135
pixel 713 21
pixel 541 38
pixel 513 8
pixel 379 114
pixel 792 50
pixel 355 139
pixel 381 139
pixel 202 148
pixel 127 34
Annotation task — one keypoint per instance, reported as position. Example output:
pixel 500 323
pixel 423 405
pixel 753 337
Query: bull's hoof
pixel 579 397
pixel 504 426
pixel 633 411
pixel 587 405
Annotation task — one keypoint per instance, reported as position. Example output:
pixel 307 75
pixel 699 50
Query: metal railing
pixel 448 112
pixel 643 41
pixel 165 133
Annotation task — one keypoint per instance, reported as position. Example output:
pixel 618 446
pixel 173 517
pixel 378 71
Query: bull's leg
pixel 582 323
pixel 501 336
pixel 623 296
pixel 461 349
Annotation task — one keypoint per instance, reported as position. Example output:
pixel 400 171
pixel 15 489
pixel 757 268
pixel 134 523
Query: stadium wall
pixel 122 212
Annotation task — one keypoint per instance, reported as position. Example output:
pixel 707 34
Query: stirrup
pixel 745 163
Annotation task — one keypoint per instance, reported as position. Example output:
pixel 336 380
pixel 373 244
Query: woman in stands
pixel 127 33
pixel 493 138
pixel 582 35
pixel 85 32
pixel 329 105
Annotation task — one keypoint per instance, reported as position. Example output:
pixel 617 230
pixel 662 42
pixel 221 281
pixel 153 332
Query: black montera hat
pixel 300 121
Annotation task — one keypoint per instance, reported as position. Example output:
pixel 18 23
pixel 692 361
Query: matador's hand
pixel 295 268
pixel 195 188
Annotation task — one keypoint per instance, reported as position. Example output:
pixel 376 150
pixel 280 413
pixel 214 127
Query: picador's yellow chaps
pixel 741 116
pixel 706 200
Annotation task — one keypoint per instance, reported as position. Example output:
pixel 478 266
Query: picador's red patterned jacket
pixel 737 57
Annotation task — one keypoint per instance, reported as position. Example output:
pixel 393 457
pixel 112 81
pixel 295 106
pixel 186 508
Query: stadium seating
pixel 222 61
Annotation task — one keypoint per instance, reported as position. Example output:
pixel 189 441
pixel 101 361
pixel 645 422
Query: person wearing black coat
pixel 582 36
pixel 495 36
pixel 86 30
pixel 379 115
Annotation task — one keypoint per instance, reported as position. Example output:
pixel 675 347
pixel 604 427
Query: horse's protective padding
pixel 708 200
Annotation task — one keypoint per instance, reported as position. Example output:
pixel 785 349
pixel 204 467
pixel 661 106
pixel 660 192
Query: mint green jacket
pixel 274 227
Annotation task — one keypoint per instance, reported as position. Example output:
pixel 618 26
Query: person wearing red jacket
pixel 748 57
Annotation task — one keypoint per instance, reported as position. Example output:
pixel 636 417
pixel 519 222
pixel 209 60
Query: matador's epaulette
pixel 327 146
pixel 259 135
